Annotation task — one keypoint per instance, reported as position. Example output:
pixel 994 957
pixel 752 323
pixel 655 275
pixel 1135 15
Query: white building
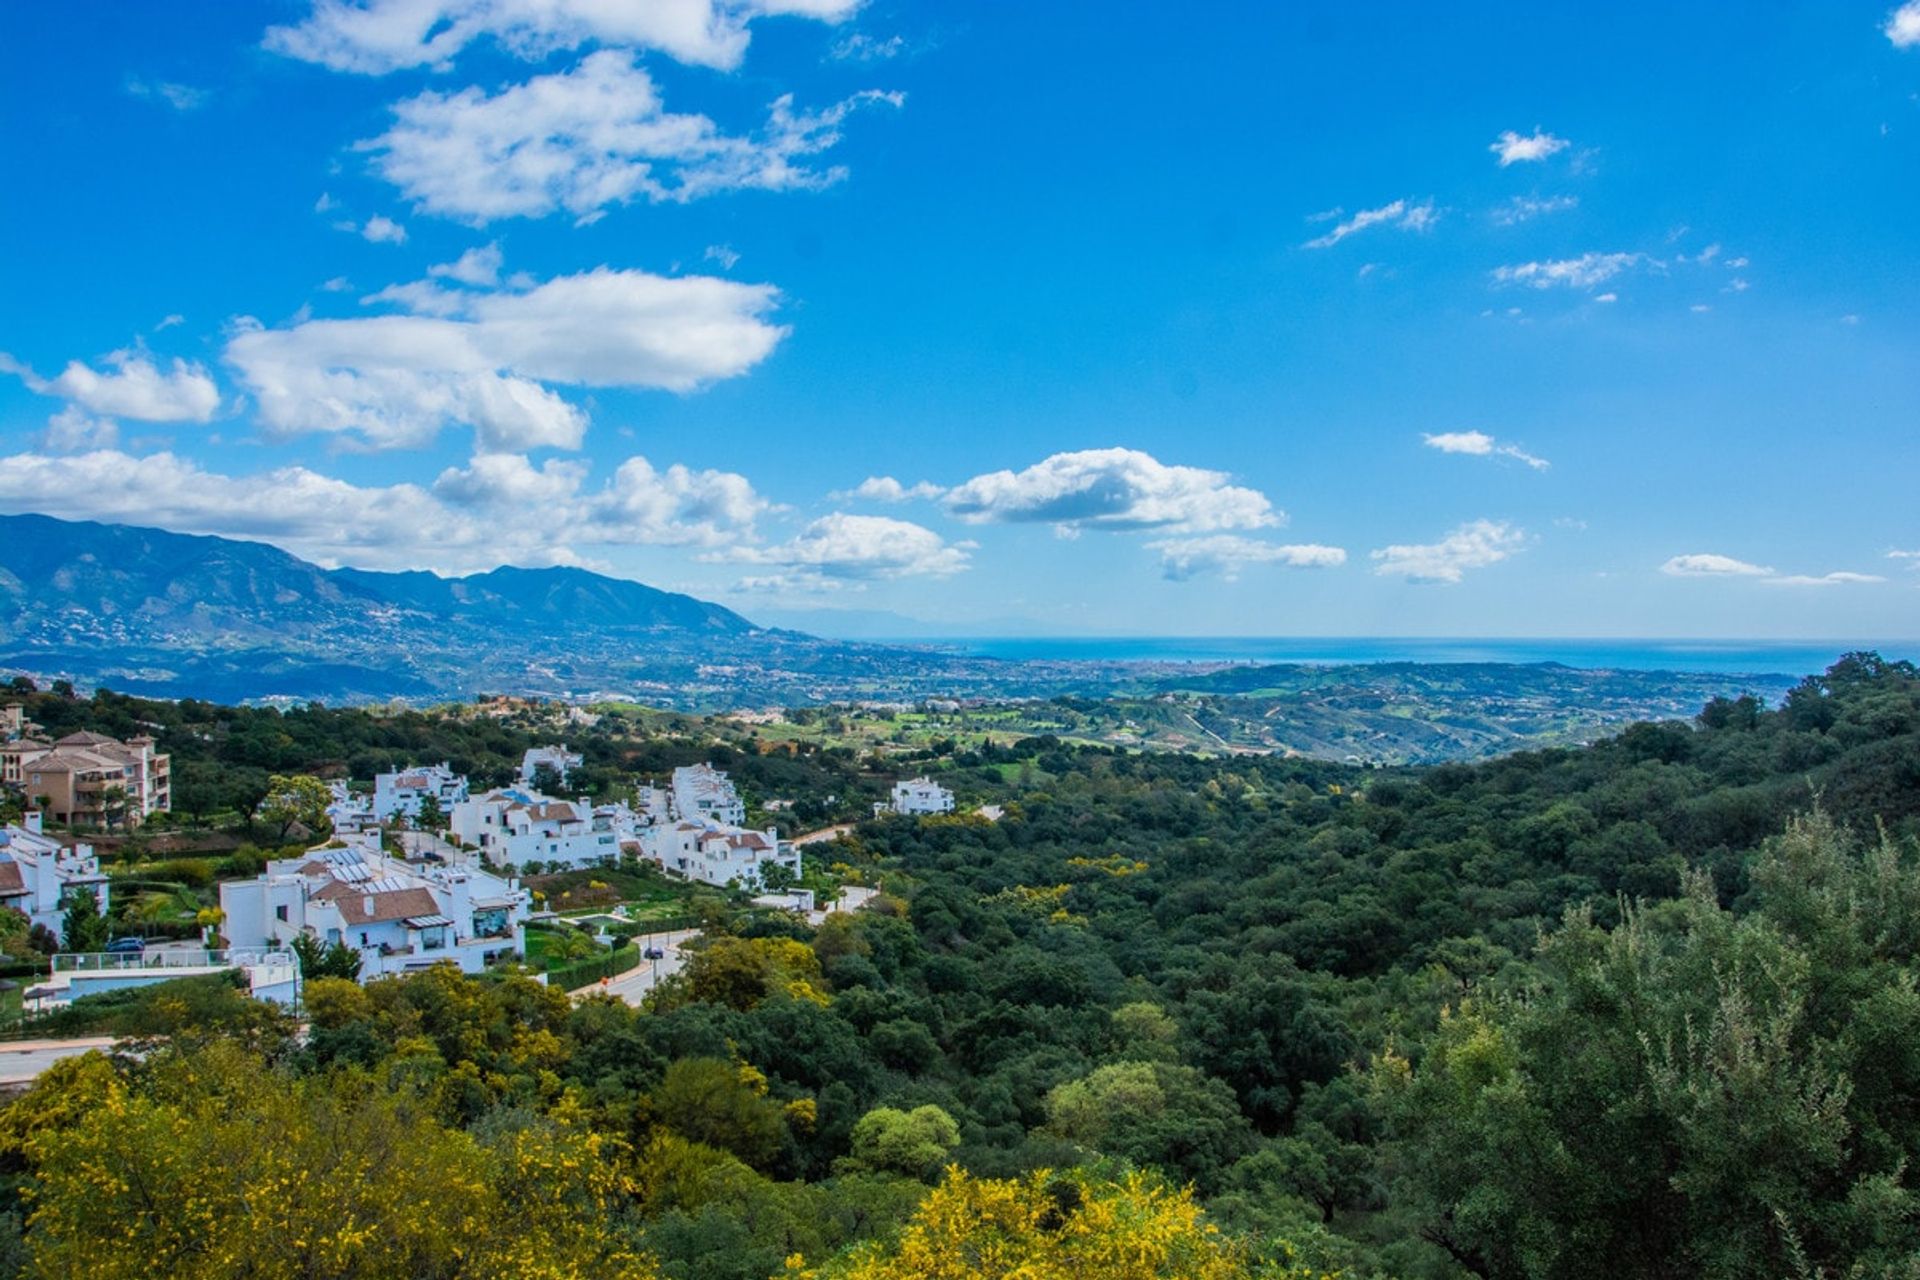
pixel 349 813
pixel 918 796
pixel 558 759
pixel 718 855
pixel 400 918
pixel 511 827
pixel 702 793
pixel 400 794
pixel 37 873
pixel 270 973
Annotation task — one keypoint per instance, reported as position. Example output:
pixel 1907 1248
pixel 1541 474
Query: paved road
pixel 633 985
pixel 23 1060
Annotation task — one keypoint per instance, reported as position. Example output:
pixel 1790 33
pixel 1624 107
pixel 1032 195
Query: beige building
pixel 85 779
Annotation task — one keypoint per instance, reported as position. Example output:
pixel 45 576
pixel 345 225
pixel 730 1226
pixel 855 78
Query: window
pixel 280 913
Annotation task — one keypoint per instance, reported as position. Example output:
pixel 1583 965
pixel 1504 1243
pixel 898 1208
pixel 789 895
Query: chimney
pixel 34 821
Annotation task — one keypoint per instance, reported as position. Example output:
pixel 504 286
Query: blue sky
pixel 1258 319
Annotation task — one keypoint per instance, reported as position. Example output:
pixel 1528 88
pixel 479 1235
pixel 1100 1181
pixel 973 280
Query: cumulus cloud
pixel 1903 25
pixel 887 489
pixel 1111 489
pixel 498 509
pixel 1583 272
pixel 595 135
pixel 1707 565
pixel 377 36
pixel 1511 148
pixel 1480 444
pixel 380 229
pixel 1527 208
pixel 477 267
pixel 841 549
pixel 1403 214
pixel 1226 554
pixel 1470 546
pixel 74 430
pixel 132 386
pixel 483 358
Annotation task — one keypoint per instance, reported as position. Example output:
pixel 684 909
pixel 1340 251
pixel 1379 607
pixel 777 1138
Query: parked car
pixel 126 946
pixel 653 953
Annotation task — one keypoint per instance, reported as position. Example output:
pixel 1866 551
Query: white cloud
pixel 1607 297
pixel 723 254
pixel 1583 272
pixel 338 284
pixel 1717 566
pixel 1403 214
pixel 1511 148
pixel 1526 208
pixel 181 97
pixel 132 387
pixel 1903 25
pixel 377 36
pixel 1480 444
pixel 496 510
pixel 482 358
pixel 74 430
pixel 595 135
pixel 1706 565
pixel 169 321
pixel 1112 489
pixel 1838 578
pixel 841 548
pixel 1470 546
pixel 477 267
pixel 381 229
pixel 1226 554
pixel 887 489
pixel 861 47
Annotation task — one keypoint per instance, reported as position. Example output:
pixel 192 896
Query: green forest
pixel 1649 1008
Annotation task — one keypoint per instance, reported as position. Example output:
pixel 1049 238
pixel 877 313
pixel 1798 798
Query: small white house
pixel 702 793
pixel 400 794
pixel 558 759
pixel 349 812
pixel 37 873
pixel 919 796
pixel 512 827
pixel 399 917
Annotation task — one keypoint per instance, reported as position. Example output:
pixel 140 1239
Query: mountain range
pixel 168 614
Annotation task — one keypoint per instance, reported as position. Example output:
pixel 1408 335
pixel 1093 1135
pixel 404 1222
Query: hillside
pixel 1645 1008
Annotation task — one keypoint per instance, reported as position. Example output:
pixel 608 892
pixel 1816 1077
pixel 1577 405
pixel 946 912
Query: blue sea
pixel 1730 657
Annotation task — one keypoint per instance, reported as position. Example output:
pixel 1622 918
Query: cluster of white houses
pixel 399 916
pixel 693 828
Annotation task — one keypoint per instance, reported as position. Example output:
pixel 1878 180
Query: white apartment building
pixel 702 793
pixel 512 827
pixel 558 759
pixel 399 794
pixel 37 873
pixel 400 918
pixel 918 796
pixel 718 855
